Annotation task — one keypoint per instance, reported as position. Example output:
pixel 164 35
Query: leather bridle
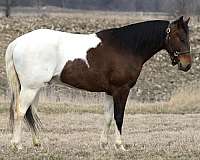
pixel 174 52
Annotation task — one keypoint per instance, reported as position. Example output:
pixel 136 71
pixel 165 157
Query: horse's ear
pixel 181 19
pixel 187 21
pixel 180 22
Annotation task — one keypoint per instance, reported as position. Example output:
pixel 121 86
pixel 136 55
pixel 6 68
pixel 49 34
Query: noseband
pixel 175 53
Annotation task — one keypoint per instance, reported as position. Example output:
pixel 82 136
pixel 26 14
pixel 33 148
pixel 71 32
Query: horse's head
pixel 178 45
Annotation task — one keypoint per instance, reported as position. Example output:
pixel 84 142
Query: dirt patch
pixel 76 136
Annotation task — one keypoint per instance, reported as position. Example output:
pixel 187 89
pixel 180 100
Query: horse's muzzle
pixel 185 62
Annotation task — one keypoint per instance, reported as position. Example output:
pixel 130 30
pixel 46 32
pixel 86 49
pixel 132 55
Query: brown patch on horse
pixel 77 74
pixel 107 70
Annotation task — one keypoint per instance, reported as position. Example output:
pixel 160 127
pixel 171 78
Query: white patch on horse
pixel 43 54
pixel 75 46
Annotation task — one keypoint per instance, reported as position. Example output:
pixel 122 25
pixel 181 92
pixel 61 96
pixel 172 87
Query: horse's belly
pixel 77 74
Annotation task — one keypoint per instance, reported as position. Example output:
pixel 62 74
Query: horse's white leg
pixel 25 99
pixel 34 105
pixel 108 114
pixel 118 140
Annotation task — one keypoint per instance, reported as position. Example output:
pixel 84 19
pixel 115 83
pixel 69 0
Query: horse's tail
pixel 31 116
pixel 13 81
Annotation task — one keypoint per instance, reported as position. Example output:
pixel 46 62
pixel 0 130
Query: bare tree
pixel 7 7
pixel 173 7
pixel 197 11
pixel 63 3
pixel 38 5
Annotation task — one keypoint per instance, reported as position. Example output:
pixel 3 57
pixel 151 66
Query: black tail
pixel 33 120
pixel 11 120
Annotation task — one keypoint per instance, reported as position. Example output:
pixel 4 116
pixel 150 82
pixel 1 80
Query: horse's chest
pixel 77 74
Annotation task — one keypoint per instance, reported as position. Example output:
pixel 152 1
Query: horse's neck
pixel 141 40
pixel 152 46
pixel 150 53
pixel 144 43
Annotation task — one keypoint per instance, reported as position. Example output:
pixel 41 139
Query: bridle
pixel 174 52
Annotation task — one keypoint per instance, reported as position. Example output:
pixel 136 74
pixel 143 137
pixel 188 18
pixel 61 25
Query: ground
pixel 76 136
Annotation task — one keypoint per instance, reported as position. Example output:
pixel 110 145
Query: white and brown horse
pixel 109 61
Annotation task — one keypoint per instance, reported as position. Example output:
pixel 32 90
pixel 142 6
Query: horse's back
pixel 37 37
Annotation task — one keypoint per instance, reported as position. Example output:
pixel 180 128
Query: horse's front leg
pixel 120 97
pixel 108 114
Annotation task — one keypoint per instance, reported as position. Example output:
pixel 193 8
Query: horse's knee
pixel 25 100
pixel 20 112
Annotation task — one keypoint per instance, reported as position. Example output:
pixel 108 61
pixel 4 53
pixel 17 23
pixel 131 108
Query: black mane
pixel 139 38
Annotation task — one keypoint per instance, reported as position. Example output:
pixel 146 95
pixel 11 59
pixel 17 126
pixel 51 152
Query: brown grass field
pixel 76 136
pixel 153 129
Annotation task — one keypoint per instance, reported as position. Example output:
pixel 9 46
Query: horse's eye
pixel 182 40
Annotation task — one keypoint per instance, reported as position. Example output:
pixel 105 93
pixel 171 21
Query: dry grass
pixel 72 130
pixel 184 101
pixel 76 136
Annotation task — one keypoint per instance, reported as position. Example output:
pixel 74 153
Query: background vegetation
pixel 172 7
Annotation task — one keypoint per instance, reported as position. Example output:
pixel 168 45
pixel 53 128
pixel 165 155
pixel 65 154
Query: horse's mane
pixel 138 37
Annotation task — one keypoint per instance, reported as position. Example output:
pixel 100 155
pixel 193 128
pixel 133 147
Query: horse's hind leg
pixel 25 99
pixel 34 121
pixel 108 114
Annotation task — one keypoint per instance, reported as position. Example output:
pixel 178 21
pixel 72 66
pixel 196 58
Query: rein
pixel 176 53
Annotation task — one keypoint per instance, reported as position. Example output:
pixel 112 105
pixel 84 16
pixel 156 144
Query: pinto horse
pixel 108 61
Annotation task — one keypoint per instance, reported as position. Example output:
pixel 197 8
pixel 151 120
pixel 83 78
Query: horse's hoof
pixel 36 143
pixel 120 147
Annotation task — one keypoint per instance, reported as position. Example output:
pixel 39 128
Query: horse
pixel 108 61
